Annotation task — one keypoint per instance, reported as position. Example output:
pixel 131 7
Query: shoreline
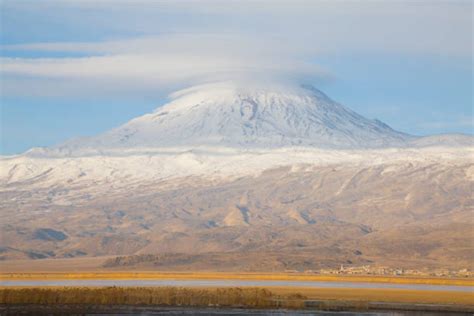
pixel 151 275
pixel 341 309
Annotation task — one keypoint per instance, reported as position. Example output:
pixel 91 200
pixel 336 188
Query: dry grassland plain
pixel 252 297
pixel 380 295
pixel 231 276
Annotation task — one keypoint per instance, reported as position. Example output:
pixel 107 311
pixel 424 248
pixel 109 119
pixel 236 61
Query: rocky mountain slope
pixel 282 177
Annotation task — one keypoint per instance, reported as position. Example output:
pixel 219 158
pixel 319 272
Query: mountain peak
pixel 233 114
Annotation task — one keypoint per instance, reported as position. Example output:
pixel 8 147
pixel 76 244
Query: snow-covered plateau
pixel 213 163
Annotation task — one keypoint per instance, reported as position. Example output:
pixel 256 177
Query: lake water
pixel 235 283
pixel 122 310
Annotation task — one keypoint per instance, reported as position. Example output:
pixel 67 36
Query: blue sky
pixel 78 68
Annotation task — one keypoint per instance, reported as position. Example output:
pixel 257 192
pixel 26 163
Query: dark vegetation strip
pixel 168 296
pixel 250 298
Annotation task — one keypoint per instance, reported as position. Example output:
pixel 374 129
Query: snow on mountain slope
pixel 233 115
pixel 227 130
pixel 96 172
pixel 446 140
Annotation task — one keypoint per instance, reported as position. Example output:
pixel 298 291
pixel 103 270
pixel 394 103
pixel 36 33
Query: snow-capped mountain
pixel 228 130
pixel 232 115
pixel 222 166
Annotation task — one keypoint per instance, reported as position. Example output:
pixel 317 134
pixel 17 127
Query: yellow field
pixel 232 276
pixel 380 295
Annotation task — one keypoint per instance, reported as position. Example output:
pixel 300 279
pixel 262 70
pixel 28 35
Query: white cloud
pixel 160 62
pixel 161 68
pixel 188 42
pixel 430 26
